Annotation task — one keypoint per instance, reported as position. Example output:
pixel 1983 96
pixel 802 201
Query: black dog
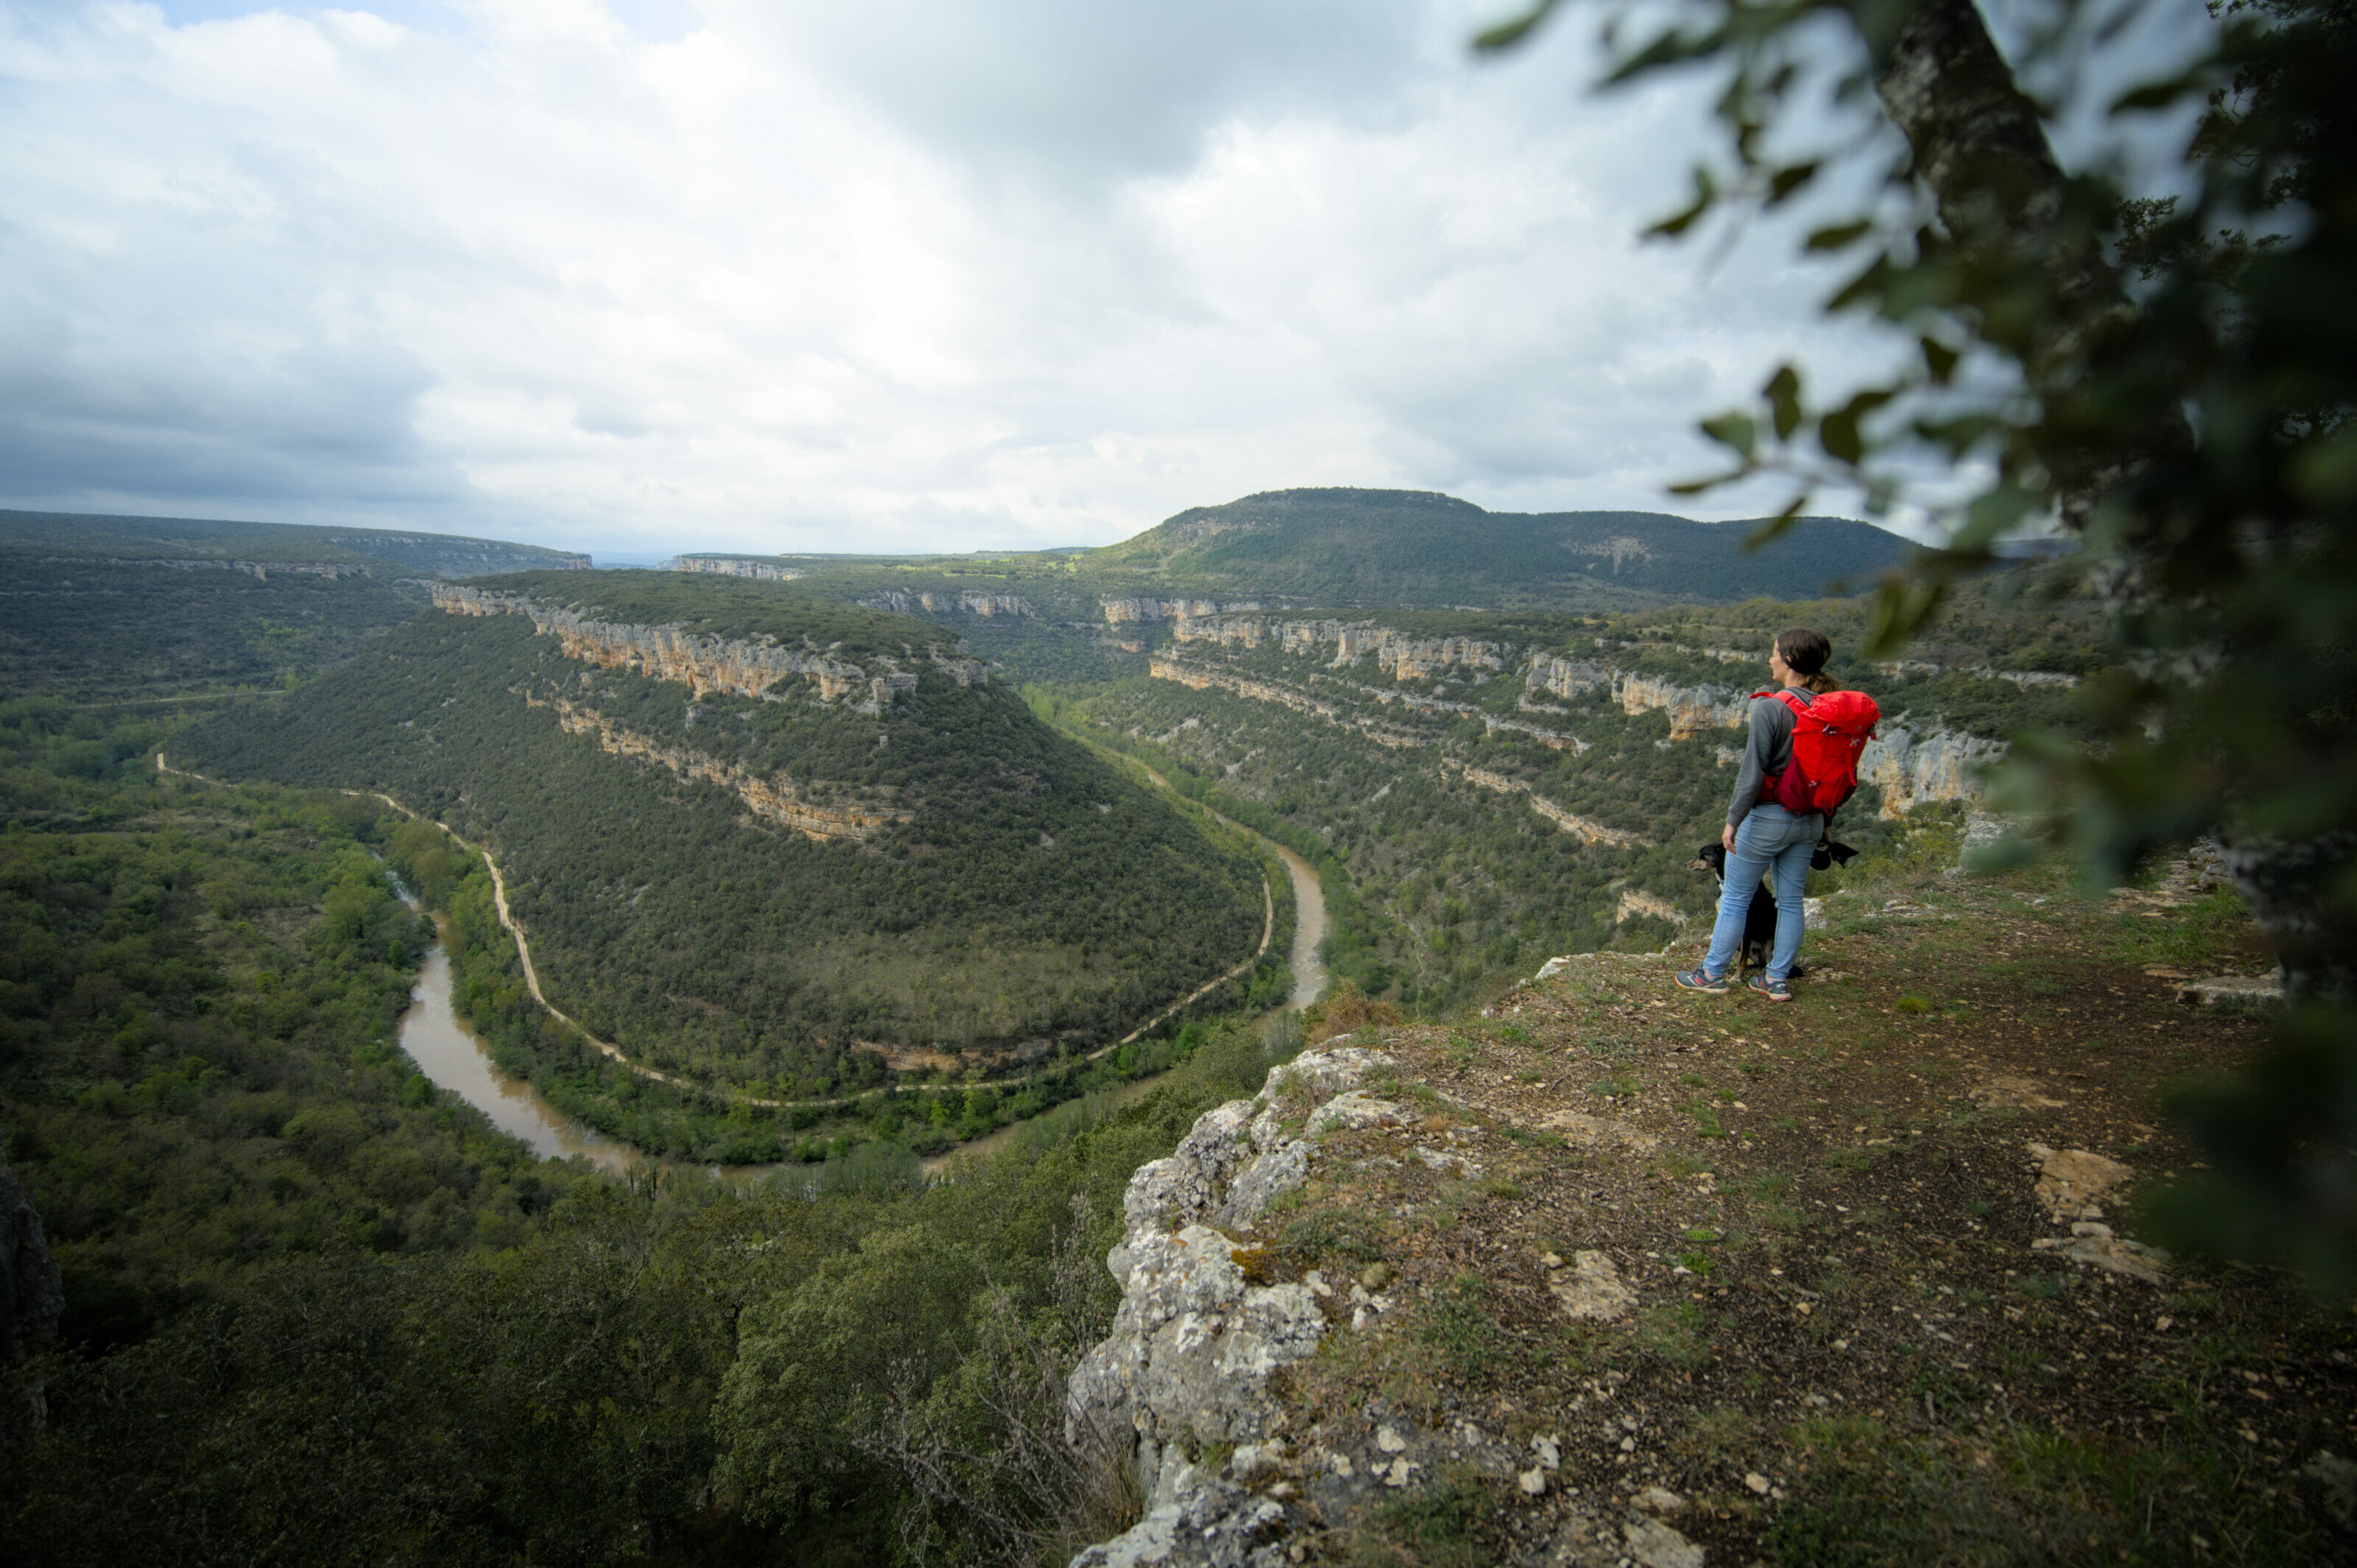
pixel 1760 919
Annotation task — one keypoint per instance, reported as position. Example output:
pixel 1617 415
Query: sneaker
pixel 1696 980
pixel 1774 990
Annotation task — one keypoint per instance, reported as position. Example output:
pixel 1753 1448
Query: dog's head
pixel 1712 857
pixel 1831 855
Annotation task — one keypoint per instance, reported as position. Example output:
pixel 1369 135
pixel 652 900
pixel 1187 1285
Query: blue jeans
pixel 1770 839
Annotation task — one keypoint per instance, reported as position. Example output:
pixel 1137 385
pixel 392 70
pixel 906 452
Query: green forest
pixel 318 1310
pixel 1034 893
pixel 114 610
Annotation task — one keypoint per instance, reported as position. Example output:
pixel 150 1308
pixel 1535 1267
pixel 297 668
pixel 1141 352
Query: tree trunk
pixel 1981 152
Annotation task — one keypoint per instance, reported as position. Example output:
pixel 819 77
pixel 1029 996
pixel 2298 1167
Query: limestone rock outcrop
pixel 859 815
pixel 1396 654
pixel 745 667
pixel 1118 611
pixel 1912 771
pixel 736 566
pixel 1195 1340
pixel 988 606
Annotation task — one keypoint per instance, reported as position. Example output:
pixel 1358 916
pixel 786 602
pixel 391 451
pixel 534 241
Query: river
pixel 449 1052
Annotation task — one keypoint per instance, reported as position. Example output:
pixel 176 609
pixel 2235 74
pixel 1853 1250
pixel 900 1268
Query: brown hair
pixel 1804 652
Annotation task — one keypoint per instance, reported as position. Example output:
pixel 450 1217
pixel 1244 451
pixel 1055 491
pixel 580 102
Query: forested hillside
pixel 112 609
pixel 1484 791
pixel 1352 550
pixel 196 1052
pixel 1414 549
pixel 753 879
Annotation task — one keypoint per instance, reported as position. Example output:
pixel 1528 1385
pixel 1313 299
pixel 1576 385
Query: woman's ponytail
pixel 1804 653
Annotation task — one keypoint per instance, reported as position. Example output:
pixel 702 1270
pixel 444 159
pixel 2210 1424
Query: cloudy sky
pixel 847 274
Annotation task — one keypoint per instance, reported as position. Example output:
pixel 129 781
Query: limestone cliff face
pixel 1634 903
pixel 1694 710
pixel 1117 611
pixel 1401 657
pixel 774 798
pixel 1195 1341
pixel 1568 677
pixel 988 606
pixel 2028 679
pixel 745 667
pixel 729 566
pixel 1913 770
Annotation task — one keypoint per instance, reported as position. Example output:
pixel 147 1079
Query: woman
pixel 1763 837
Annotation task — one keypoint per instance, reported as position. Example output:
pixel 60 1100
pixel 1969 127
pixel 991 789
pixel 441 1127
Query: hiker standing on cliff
pixel 1773 823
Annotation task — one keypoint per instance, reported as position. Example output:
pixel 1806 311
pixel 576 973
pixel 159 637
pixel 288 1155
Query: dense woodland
pixel 1037 893
pixel 112 609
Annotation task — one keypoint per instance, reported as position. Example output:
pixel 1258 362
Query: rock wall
pixel 1910 770
pixel 1398 655
pixel 745 667
pixel 1195 1341
pixel 1117 611
pixel 775 799
pixel 1185 1391
pixel 729 566
pixel 1694 710
pixel 988 606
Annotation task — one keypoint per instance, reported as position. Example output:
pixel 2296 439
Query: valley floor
pixel 1848 1280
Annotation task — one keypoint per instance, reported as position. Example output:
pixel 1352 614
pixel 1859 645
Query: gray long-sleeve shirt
pixel 1770 751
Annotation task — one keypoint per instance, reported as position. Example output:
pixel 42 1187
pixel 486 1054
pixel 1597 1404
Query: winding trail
pixel 532 975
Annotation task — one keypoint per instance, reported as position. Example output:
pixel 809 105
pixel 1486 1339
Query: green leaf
pixel 1839 235
pixel 1706 192
pixel 1783 394
pixel 1940 360
pixel 1776 527
pixel 1736 430
pixel 1788 179
pixel 1507 34
pixel 1838 432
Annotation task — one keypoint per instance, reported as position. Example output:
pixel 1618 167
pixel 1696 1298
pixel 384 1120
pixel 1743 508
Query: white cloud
pixel 844 276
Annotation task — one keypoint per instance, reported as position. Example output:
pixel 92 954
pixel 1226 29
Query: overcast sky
pixel 847 274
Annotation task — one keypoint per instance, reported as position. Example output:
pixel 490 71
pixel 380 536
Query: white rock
pixel 1549 1451
pixel 1533 1481
pixel 1591 1288
pixel 1653 1544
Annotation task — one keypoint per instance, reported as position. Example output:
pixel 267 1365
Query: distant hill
pixel 1417 549
pixel 94 535
pixel 125 607
pixel 754 832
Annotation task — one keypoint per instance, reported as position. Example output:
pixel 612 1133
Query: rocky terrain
pixel 747 667
pixel 1617 1275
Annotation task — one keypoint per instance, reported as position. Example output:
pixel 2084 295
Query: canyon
pixel 748 667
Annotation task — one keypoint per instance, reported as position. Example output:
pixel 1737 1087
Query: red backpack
pixel 1827 736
